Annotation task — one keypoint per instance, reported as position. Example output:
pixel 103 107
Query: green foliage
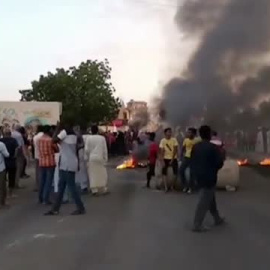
pixel 86 92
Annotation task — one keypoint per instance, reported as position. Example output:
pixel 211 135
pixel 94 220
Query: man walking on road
pixel 68 166
pixel 3 191
pixel 97 156
pixel 46 149
pixel 152 158
pixel 206 161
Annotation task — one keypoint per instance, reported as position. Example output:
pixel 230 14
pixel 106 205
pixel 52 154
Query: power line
pixel 157 4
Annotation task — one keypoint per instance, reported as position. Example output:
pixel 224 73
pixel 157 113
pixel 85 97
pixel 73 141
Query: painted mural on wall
pixel 29 114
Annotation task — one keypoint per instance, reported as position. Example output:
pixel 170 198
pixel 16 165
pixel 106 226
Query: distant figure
pixel 36 154
pixel 153 155
pixel 21 154
pixel 3 188
pixel 12 147
pixel 188 144
pixel 219 143
pixel 169 149
pixel 206 161
pixel 22 130
pixel 82 175
pixel 96 153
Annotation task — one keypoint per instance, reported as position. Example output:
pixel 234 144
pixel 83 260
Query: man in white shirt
pixel 68 166
pixel 36 138
pixel 96 153
pixel 3 189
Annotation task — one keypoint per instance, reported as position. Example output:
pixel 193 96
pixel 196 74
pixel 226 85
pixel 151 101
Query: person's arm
pixel 183 150
pixel 4 150
pixel 56 134
pixel 175 149
pixel 218 158
pixel 86 149
pixel 60 137
pixel 161 150
pixel 105 150
pixel 16 146
pixel 55 147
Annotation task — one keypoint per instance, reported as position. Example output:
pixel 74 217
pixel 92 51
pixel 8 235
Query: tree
pixel 86 93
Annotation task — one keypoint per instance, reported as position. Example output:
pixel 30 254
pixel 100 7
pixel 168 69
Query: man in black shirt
pixel 206 161
pixel 12 146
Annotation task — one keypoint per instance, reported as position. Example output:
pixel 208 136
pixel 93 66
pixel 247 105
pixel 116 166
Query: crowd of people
pixel 76 158
pixel 203 155
pixel 64 157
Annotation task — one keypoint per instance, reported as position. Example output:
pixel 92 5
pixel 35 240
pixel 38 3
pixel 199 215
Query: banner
pixel 29 113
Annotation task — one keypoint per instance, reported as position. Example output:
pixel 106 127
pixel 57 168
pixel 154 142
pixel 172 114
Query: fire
pixel 242 162
pixel 127 164
pixel 265 162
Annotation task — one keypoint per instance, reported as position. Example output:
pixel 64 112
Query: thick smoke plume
pixel 227 79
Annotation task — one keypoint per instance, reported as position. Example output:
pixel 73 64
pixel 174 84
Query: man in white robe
pixel 97 156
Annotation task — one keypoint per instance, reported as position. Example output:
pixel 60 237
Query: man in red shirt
pixel 47 164
pixel 153 154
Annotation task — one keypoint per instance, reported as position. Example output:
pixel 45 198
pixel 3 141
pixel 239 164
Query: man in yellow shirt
pixel 188 144
pixel 169 149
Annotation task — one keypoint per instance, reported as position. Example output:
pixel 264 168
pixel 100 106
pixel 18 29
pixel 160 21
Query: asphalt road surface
pixel 134 228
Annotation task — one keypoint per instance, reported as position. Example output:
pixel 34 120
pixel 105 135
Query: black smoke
pixel 227 79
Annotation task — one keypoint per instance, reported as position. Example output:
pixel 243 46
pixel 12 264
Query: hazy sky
pixel 135 35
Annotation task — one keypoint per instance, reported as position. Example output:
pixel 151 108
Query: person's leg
pixel 175 172
pixel 150 173
pixel 11 180
pixel 42 183
pixel 165 173
pixel 190 183
pixel 61 190
pixel 214 211
pixel 206 196
pixel 2 188
pixel 183 167
pixel 74 192
pixel 37 173
pixel 24 165
pixel 48 184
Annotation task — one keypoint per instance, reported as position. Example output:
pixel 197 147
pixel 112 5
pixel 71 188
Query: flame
pixel 265 162
pixel 242 162
pixel 127 164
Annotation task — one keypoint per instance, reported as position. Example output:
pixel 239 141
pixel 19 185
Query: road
pixel 134 228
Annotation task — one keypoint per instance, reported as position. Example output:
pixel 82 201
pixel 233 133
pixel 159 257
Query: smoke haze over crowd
pixel 227 79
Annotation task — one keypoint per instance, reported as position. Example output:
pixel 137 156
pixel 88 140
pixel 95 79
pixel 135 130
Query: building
pixel 135 107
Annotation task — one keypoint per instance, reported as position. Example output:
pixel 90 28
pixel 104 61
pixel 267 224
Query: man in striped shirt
pixel 47 149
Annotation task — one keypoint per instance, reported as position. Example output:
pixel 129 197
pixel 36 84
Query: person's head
pixel 17 127
pixel 6 133
pixel 94 129
pixel 168 133
pixel 22 130
pixel 192 132
pixel 53 128
pixel 47 130
pixel 152 136
pixel 39 128
pixel 205 133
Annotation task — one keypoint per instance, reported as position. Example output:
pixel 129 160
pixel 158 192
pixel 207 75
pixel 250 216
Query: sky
pixel 138 37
